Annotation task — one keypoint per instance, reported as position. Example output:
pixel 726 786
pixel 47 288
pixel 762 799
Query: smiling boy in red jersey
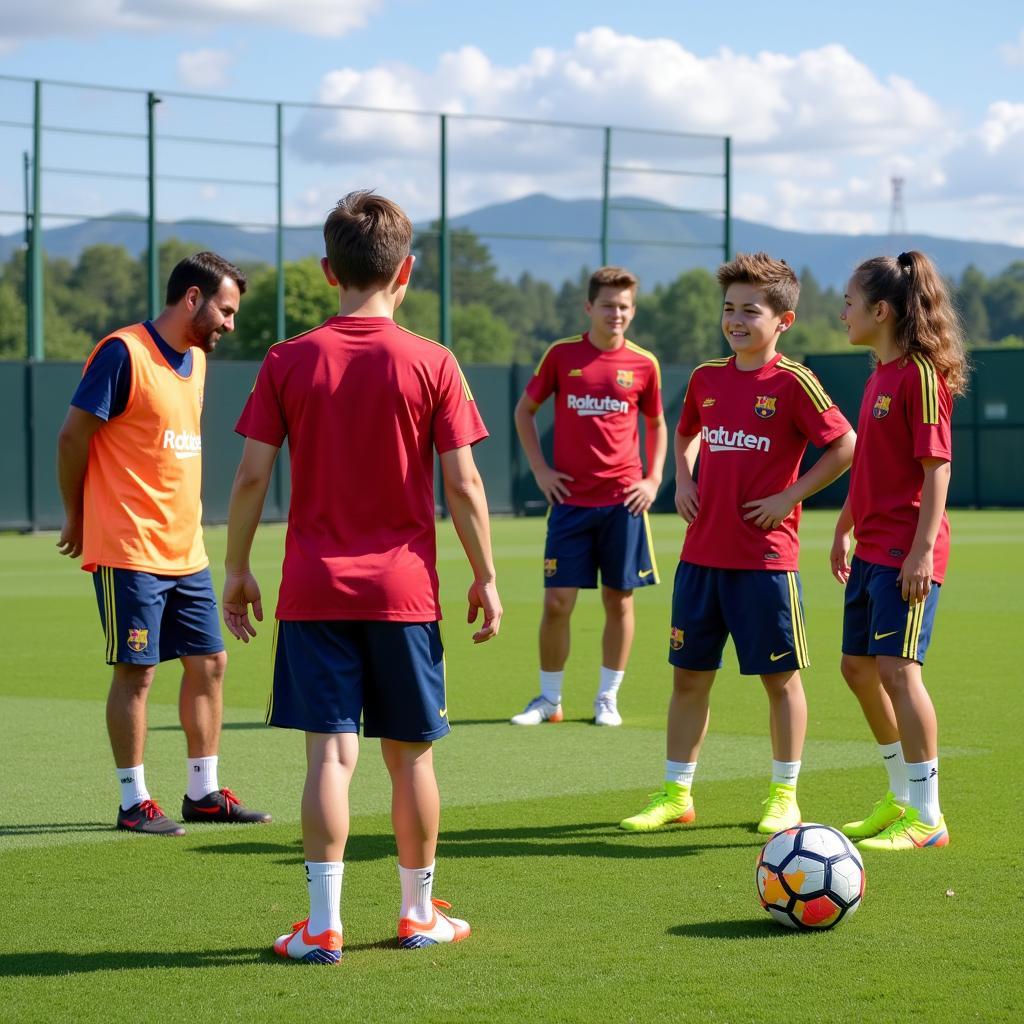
pixel 599 495
pixel 750 417
pixel 363 404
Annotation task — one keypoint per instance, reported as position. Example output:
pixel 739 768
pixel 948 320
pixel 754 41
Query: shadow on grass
pixel 586 839
pixel 226 726
pixel 761 928
pixel 52 963
pixel 51 829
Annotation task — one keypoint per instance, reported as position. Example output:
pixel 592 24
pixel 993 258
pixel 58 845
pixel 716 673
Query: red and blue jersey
pixel 904 417
pixel 363 404
pixel 754 428
pixel 599 395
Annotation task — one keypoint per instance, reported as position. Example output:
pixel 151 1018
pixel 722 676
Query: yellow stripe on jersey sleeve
pixel 929 388
pixel 633 347
pixel 554 345
pixel 807 380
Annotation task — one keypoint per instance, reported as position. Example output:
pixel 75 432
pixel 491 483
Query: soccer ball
pixel 810 877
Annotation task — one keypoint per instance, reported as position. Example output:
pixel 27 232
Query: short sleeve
pixel 263 417
pixel 689 416
pixel 816 416
pixel 929 408
pixel 545 378
pixel 650 398
pixel 107 382
pixel 457 421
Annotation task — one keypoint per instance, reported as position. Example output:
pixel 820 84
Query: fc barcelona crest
pixel 138 639
pixel 764 406
pixel 624 378
pixel 550 566
pixel 881 409
pixel 675 639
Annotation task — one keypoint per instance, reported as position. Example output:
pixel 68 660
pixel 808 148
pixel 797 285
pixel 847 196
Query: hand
pixel 769 513
pixel 240 591
pixel 70 542
pixel 687 502
pixel 840 557
pixel 640 496
pixel 484 597
pixel 552 484
pixel 915 576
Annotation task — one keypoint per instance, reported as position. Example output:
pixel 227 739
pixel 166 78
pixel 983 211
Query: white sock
pixel 550 689
pixel 323 880
pixel 611 680
pixel 417 886
pixel 892 758
pixel 680 772
pixel 785 771
pixel 924 789
pixel 202 777
pixel 133 786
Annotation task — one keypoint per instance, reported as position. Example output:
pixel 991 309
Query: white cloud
pixel 204 69
pixel 1013 53
pixel 48 18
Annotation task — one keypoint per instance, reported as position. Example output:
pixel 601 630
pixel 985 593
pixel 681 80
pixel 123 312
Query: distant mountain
pixel 552 239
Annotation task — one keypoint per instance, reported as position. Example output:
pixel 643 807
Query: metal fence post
pixel 34 264
pixel 605 188
pixel 280 224
pixel 444 243
pixel 727 239
pixel 154 255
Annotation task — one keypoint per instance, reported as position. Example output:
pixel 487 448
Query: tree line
pixel 493 320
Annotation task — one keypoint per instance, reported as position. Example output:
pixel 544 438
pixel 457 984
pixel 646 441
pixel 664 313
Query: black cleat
pixel 221 805
pixel 147 817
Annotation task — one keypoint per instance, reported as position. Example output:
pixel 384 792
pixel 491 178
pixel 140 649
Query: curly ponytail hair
pixel 926 320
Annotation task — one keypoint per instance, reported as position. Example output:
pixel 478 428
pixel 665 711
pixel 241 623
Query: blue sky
pixel 824 105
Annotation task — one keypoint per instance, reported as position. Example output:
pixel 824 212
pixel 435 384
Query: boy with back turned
pixel 363 405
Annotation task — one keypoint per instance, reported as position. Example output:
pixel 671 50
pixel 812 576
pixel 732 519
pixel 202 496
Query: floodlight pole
pixel 154 256
pixel 727 239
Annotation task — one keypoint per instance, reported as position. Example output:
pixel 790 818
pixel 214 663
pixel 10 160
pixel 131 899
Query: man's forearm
pixel 467 506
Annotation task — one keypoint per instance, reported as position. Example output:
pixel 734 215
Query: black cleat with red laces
pixel 147 817
pixel 221 805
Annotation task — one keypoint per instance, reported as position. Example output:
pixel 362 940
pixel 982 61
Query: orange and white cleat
pixel 442 928
pixel 298 944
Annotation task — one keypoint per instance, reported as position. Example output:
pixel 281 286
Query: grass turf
pixel 573 920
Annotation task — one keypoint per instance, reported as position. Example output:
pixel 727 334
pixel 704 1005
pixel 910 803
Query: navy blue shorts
pixel 876 619
pixel 149 618
pixel 329 674
pixel 763 611
pixel 583 540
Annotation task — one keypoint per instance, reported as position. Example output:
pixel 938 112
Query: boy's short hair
pixel 205 271
pixel 367 237
pixel 775 278
pixel 611 277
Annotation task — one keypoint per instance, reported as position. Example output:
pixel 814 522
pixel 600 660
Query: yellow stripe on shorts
pixel 650 547
pixel 915 617
pixel 796 614
pixel 273 662
pixel 109 612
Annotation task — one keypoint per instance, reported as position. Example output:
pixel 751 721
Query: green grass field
pixel 572 919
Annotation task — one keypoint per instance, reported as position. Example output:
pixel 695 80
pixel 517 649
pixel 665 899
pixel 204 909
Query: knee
pixel 618 604
pixel 134 679
pixel 689 684
pixel 557 605
pixel 859 673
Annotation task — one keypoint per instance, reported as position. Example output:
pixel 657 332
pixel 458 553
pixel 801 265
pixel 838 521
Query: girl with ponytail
pixel 901 310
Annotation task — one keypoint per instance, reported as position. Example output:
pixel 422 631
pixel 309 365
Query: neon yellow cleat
pixel 908 833
pixel 672 803
pixel 882 815
pixel 780 809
